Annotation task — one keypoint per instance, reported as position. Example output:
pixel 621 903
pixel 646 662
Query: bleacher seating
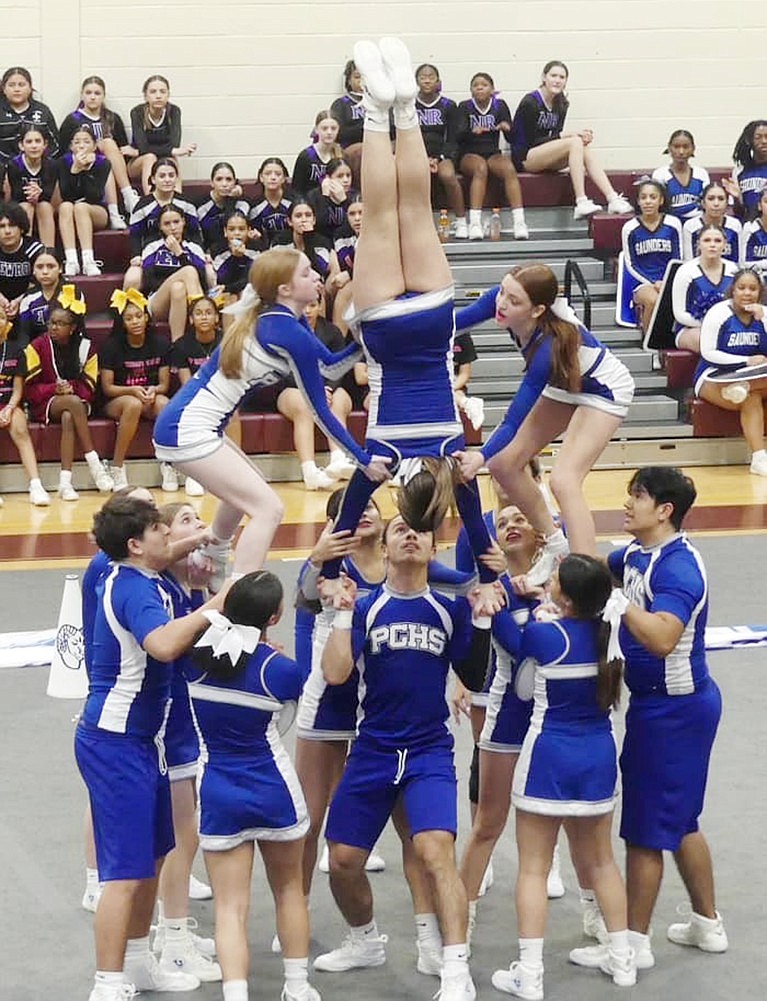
pixel 548 198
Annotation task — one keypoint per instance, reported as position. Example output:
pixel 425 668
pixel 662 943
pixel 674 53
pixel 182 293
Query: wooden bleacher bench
pixel 709 421
pixel 679 367
pixel 262 434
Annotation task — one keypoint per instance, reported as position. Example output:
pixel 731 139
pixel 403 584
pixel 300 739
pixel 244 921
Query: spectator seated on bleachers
pixel 650 241
pixel 684 182
pixel 713 203
pixel 61 379
pixel 698 285
pixel 174 270
pixel 538 143
pixel 12 416
pixel 156 131
pixel 484 118
pixel 135 379
pixel 732 373
pixel 47 281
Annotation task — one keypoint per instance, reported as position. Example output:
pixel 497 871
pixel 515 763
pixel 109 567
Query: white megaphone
pixel 68 679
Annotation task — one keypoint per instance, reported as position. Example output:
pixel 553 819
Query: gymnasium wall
pixel 250 76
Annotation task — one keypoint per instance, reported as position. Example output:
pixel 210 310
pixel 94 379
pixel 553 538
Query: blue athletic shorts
pixel 130 802
pixel 664 764
pixel 373 780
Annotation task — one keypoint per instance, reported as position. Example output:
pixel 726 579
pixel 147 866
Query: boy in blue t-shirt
pixel 404 638
pixel 119 741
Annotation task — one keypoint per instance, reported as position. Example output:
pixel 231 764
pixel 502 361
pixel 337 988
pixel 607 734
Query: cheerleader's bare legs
pixel 398 248
pixel 231 476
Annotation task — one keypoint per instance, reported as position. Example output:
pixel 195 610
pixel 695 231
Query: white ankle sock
pixel 235 990
pixel 475 216
pixel 108 977
pixel 363 932
pixel 91 875
pixel 88 257
pixel 295 974
pixel 427 929
pixel 113 209
pixel 518 215
pixel 760 453
pixel 618 942
pixel 70 255
pixel 455 960
pixel 580 199
pixel 637 940
pixel 65 478
pixel 309 468
pixel 531 952
pixel 137 948
pixel 175 929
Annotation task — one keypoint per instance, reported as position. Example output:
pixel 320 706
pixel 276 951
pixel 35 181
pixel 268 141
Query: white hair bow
pixel 613 612
pixel 247 300
pixel 230 638
pixel 562 309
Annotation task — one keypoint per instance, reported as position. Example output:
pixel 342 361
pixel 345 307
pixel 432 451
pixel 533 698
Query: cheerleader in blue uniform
pixel 700 284
pixel 684 183
pixel 538 143
pixel 734 336
pixel 650 242
pixel 266 342
pixel 174 270
pixel 673 713
pixel 713 204
pixel 484 118
pixel 507 716
pixel 749 175
pixel 755 238
pixel 327 715
pixel 225 198
pixel 440 122
pixel 249 790
pixel 572 384
pixel 178 946
pixel 312 163
pixel 567 769
pixel 403 298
